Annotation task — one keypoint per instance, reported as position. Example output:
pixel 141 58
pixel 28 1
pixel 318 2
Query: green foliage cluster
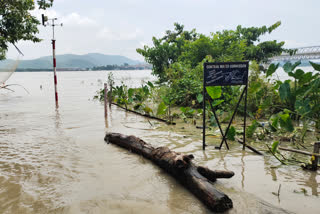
pixel 301 93
pixel 178 57
pixel 291 101
pixel 17 23
pixel 125 96
pixel 188 49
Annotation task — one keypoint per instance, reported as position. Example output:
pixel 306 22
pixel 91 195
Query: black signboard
pixel 226 73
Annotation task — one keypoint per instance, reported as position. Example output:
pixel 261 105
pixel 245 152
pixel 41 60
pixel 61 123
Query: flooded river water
pixel 56 161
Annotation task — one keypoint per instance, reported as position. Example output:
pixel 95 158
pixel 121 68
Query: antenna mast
pixel 44 23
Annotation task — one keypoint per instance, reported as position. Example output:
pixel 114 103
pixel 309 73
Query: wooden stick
pixel 315 159
pixel 249 147
pixel 110 97
pixel 300 152
pixel 146 115
pixel 105 100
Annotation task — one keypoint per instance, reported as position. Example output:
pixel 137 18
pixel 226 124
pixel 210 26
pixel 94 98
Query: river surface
pixel 54 160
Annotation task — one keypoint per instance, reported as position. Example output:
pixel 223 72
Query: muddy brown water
pixel 56 161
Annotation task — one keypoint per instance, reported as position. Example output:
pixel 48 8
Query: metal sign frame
pixel 225 74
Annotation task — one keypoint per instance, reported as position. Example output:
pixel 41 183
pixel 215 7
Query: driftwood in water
pixel 195 178
pixel 145 115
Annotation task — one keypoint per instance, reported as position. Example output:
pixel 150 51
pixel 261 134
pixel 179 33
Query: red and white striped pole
pixel 44 21
pixel 54 70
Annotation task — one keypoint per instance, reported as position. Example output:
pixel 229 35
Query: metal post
pixel 219 125
pixel 204 116
pixel 54 70
pixel 315 159
pixel 234 113
pixel 44 23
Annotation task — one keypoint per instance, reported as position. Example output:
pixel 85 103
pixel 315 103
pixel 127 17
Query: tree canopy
pixel 17 23
pixel 191 48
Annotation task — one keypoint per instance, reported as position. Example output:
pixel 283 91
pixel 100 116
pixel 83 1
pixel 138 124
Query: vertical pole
pixel 54 69
pixel 315 159
pixel 105 100
pixel 106 104
pixel 245 118
pixel 204 116
pixel 110 97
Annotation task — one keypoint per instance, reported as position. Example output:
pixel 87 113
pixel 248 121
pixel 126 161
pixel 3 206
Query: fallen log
pixel 197 179
pixel 145 115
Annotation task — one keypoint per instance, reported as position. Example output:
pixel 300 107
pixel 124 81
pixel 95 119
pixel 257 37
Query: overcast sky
pixel 120 26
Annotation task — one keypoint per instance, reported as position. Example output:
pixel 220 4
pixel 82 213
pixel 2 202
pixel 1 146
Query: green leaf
pixel 271 69
pixel 216 103
pixel 284 91
pixel 231 133
pixel 295 65
pixel 183 109
pixel 306 78
pixel 298 74
pixel 274 123
pixel 145 90
pixel 147 110
pixel 288 67
pixel 251 129
pixel 200 98
pixel 130 92
pixel 274 147
pixel 286 122
pixel 214 91
pixel 162 109
pixel 315 66
pixel 150 84
pixel 303 107
pixel 254 87
pixel 284 117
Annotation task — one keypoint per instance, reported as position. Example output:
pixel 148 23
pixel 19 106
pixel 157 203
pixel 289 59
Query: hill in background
pixel 72 61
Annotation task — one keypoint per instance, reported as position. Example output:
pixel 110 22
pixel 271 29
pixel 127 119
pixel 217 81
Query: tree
pixel 167 49
pixel 17 23
pixel 192 48
pixel 264 50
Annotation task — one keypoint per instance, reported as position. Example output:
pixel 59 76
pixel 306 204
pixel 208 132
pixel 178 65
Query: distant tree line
pixel 50 69
pixel 125 66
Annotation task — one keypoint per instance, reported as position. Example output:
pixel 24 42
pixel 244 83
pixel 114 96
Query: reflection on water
pixel 242 169
pixel 56 161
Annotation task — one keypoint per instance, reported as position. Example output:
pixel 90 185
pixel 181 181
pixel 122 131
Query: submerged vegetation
pixel 279 110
